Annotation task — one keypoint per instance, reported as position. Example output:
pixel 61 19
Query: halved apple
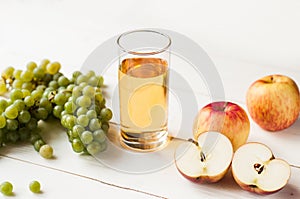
pixel 255 169
pixel 205 161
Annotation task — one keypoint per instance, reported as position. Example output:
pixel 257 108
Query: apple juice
pixel 143 102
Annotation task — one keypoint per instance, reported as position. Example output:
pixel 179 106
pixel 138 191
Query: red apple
pixel 274 102
pixel 226 117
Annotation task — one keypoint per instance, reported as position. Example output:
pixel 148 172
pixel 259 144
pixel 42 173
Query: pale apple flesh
pixel 274 102
pixel 226 117
pixel 255 169
pixel 206 164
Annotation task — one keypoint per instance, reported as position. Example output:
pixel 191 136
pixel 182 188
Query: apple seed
pixel 258 167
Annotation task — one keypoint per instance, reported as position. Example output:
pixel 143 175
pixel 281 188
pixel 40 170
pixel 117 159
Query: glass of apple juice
pixel 143 78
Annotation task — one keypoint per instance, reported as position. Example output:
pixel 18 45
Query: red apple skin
pixel 225 117
pixel 204 179
pixel 273 102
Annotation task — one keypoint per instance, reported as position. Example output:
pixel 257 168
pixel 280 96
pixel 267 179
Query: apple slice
pixel 205 161
pixel 255 169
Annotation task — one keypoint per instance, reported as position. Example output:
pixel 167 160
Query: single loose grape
pixel 46 151
pixel 6 188
pixel 35 186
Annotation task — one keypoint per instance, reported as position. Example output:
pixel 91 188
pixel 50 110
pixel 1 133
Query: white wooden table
pixel 245 39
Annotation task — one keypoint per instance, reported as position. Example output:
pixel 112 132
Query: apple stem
pixel 258 167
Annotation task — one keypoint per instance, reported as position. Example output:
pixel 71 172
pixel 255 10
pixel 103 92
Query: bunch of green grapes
pixel 41 91
pixel 81 108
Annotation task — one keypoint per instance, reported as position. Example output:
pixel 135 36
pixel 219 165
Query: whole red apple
pixel 273 102
pixel 225 117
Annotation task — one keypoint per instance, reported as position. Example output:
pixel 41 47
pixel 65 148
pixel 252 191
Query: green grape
pixel 16 94
pixel 38 144
pixel 70 87
pixel 26 76
pixel 35 187
pixel 81 111
pixel 12 136
pixel 77 130
pixel 37 94
pixel 28 86
pixel 105 126
pixel 19 104
pixel 40 113
pixel 3 88
pixel 31 66
pixel 69 107
pixel 83 84
pixel 63 81
pixel 17 74
pixel 38 73
pixel 87 137
pixel 56 76
pixel 24 133
pixel 99 135
pixel 98 97
pixel 70 121
pixel 77 146
pixel 26 93
pixel 53 84
pixel 24 116
pixel 2 121
pixel 11 112
pixel 11 125
pixel 106 114
pixel 3 104
pixel 32 124
pixel 88 91
pixel 44 64
pixel 91 114
pixel 17 84
pixel 93 148
pixel 101 81
pixel 90 74
pixel 46 151
pixel 93 81
pixel 53 67
pixel 76 74
pixel 34 137
pixel 77 91
pixel 94 124
pixel 81 78
pixel 60 99
pixel 29 101
pixel 41 88
pixel 47 78
pixel 45 103
pixel 83 120
pixel 8 72
pixel 83 101
pixel 6 188
pixel 57 111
